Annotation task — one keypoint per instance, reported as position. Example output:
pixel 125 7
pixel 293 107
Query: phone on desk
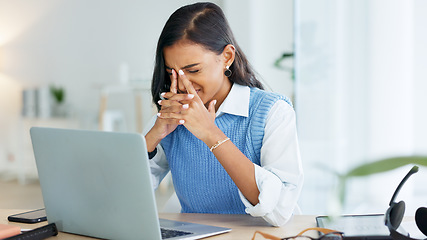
pixel 34 216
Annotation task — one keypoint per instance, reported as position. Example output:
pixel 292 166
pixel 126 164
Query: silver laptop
pixel 98 184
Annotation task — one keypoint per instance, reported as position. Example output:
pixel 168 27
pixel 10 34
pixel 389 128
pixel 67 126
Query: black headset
pixel 396 211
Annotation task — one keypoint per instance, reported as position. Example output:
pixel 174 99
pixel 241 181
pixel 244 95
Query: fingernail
pixel 185 106
pixel 158 114
pixel 190 96
pixel 214 102
pixel 181 121
pixel 163 94
pixel 160 102
pixel 181 72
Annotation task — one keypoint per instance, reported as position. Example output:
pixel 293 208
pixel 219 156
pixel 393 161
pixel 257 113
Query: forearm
pixel 238 166
pixel 152 140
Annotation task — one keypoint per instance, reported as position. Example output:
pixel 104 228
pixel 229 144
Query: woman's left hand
pixel 196 118
pixel 200 120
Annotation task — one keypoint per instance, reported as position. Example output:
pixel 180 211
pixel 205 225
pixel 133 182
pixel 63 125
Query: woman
pixel 230 146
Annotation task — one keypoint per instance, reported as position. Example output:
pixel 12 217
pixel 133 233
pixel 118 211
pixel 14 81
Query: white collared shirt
pixel 280 176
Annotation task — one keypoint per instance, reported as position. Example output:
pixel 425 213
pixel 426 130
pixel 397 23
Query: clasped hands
pixel 185 109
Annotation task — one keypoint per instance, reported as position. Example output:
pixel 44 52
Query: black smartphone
pixel 34 216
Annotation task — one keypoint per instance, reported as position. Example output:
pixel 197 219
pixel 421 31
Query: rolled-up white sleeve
pixel 159 165
pixel 280 176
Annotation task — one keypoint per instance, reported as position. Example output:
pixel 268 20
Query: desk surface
pixel 243 226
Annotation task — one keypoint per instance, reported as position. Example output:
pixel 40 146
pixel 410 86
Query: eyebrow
pixel 188 66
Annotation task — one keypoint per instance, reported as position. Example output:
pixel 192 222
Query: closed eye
pixel 193 71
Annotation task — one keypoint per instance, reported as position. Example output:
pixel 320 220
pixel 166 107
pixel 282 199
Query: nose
pixel 181 87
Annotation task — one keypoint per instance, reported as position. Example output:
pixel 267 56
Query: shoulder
pixel 268 99
pixel 280 111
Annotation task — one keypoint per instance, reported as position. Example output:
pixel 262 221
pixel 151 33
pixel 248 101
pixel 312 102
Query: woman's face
pixel 204 68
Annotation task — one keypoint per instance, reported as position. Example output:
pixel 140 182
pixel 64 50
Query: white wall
pixel 420 71
pixel 264 30
pixel 360 96
pixel 419 93
pixel 81 44
pixel 10 95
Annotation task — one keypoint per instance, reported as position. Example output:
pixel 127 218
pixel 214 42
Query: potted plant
pixel 58 107
pixel 367 169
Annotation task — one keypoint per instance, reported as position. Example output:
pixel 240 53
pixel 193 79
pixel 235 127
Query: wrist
pixel 214 137
pixel 218 144
pixel 152 140
pixel 152 154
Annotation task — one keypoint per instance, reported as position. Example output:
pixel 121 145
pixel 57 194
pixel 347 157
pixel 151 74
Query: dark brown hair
pixel 204 24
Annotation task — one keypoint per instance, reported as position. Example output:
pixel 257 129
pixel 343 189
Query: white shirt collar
pixel 236 102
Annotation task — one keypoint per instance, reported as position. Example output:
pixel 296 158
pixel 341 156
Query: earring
pixel 228 72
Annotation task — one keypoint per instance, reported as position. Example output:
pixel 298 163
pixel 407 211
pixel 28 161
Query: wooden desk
pixel 243 226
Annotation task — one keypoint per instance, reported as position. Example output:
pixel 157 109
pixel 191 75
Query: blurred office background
pixel 355 69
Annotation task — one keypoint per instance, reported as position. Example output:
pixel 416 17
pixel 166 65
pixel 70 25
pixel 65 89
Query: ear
pixel 228 54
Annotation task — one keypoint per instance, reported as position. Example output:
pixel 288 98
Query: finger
pixel 168 103
pixel 174 109
pixel 174 82
pixel 176 97
pixel 171 121
pixel 211 108
pixel 187 83
pixel 171 116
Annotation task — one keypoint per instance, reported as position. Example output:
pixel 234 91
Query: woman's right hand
pixel 171 104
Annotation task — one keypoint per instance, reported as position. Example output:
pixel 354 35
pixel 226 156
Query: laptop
pixel 98 184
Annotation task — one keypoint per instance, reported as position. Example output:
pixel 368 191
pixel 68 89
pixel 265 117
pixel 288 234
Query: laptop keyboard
pixel 169 233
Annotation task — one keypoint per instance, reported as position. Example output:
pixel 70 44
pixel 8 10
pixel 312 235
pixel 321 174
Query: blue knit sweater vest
pixel 201 183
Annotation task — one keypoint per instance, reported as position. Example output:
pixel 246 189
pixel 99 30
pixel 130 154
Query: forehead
pixel 184 53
